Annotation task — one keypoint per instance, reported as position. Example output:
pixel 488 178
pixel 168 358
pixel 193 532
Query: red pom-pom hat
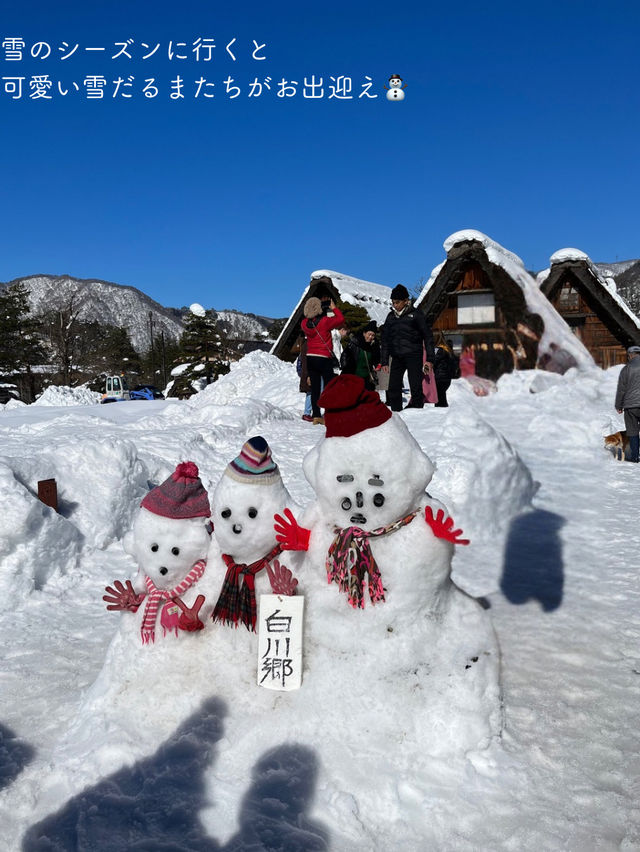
pixel 351 408
pixel 180 496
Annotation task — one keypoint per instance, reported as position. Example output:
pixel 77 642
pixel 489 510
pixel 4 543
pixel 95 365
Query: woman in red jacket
pixel 317 327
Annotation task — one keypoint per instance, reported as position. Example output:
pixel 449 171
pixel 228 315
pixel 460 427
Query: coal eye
pixel 252 512
pixel 226 513
pixel 378 499
pixel 175 551
pixel 346 504
pixel 154 548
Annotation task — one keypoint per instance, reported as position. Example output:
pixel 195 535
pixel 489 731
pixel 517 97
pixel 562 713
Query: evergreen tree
pixel 20 346
pixel 355 316
pixel 204 349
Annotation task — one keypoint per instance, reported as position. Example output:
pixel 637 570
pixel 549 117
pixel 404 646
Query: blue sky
pixel 520 120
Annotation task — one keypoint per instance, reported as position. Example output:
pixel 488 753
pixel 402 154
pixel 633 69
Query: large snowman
pixel 377 575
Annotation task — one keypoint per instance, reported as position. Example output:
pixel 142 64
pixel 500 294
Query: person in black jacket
pixel 361 355
pixel 404 333
pixel 443 370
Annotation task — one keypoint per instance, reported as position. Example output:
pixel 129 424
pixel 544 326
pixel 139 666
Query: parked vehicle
pixel 116 389
pixel 146 392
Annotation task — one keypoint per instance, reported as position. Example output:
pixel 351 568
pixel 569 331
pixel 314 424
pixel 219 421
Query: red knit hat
pixel 180 496
pixel 351 408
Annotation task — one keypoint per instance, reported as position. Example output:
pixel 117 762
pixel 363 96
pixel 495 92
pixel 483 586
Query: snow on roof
pixel 565 254
pixel 374 298
pixel 556 329
pixel 572 255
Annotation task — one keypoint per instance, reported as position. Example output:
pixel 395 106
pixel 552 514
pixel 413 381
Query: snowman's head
pixel 395 81
pixel 245 500
pixel 171 530
pixel 369 471
pixel 167 548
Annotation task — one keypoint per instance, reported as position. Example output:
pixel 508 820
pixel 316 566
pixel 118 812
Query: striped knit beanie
pixel 181 496
pixel 254 464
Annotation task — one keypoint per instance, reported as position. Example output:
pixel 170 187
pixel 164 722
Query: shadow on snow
pixel 14 756
pixel 155 804
pixel 533 566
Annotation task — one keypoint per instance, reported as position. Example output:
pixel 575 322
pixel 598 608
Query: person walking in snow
pixel 628 400
pixel 404 333
pixel 361 355
pixel 317 329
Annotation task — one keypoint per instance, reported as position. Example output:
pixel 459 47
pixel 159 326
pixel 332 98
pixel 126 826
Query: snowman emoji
pixel 395 89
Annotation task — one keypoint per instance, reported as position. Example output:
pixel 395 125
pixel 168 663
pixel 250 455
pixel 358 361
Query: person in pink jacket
pixel 317 327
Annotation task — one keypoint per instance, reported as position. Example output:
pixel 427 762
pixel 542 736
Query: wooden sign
pixel 280 642
pixel 48 493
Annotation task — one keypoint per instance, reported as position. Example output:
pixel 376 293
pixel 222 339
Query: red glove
pixel 189 619
pixel 282 580
pixel 121 597
pixel 443 529
pixel 289 533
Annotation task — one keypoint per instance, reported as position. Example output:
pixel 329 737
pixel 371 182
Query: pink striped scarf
pixel 156 595
pixel 350 561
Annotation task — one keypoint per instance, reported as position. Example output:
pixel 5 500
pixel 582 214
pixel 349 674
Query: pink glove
pixel 121 597
pixel 443 529
pixel 289 533
pixel 282 580
pixel 189 619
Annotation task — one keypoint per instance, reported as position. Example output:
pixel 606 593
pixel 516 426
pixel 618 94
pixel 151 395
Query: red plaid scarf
pixel 156 595
pixel 350 559
pixel 238 604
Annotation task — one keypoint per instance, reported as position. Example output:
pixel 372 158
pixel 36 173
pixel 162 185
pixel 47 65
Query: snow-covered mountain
pixel 626 274
pixel 127 307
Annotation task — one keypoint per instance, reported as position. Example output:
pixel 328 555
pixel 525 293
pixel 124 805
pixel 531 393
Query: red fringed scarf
pixel 237 603
pixel 156 595
pixel 350 559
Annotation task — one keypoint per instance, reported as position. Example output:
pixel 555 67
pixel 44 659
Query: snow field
pixel 552 519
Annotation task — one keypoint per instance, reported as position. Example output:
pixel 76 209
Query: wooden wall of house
pixel 582 315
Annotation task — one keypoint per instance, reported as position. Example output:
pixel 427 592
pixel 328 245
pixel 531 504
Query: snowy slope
pixel 553 523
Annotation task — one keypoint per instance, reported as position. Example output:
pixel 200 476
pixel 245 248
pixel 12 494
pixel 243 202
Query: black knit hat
pixel 399 293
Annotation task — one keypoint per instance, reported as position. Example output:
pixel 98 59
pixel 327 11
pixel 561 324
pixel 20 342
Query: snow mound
pixel 257 376
pixel 12 404
pixel 471 455
pixel 99 483
pixel 35 542
pixel 56 395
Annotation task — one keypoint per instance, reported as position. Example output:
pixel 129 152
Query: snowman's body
pixel 395 94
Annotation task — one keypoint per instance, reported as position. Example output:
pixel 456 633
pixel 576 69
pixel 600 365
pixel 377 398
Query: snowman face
pixel 395 82
pixel 243 517
pixel 167 548
pixel 370 479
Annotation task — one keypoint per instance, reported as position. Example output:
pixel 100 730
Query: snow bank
pixel 472 457
pixel 35 542
pixel 62 395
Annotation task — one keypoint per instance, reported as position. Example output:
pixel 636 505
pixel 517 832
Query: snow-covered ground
pixel 553 522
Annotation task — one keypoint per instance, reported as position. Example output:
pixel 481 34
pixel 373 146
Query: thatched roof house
pixel 484 300
pixel 590 304
pixel 375 298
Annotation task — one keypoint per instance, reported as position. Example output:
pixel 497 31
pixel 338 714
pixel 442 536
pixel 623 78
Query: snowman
pixel 248 495
pixel 377 571
pixel 395 89
pixel 169 541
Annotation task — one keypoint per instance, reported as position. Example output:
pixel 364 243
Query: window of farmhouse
pixel 476 308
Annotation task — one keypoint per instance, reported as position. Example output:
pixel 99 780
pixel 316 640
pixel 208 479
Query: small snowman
pixel 248 495
pixel 395 89
pixel 169 540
